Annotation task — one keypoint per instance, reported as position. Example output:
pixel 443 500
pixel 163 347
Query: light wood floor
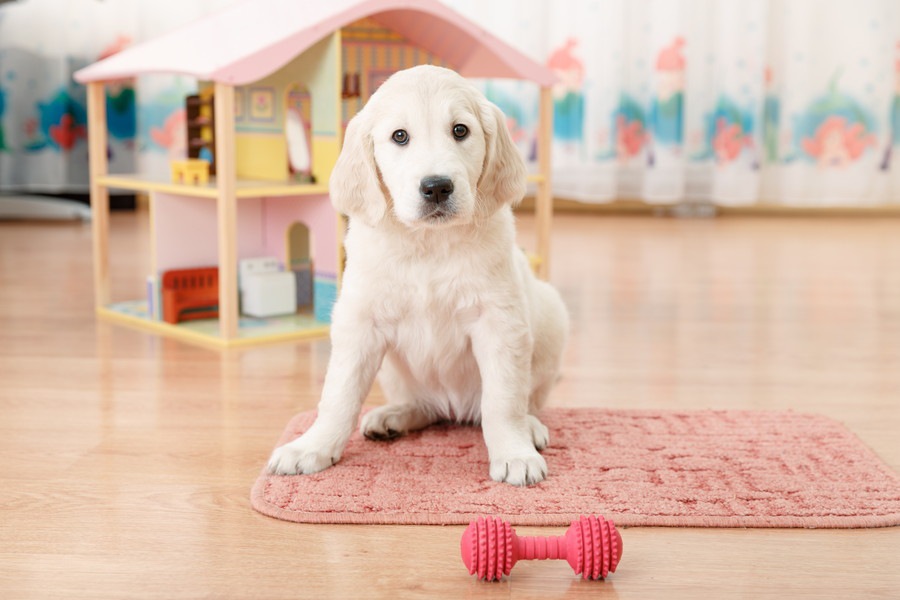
pixel 126 460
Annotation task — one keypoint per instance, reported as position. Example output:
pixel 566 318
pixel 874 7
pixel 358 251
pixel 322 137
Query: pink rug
pixel 638 468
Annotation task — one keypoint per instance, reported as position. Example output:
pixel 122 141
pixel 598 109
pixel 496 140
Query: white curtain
pixel 793 102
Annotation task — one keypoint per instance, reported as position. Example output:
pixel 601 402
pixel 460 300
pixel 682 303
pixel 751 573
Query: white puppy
pixel 437 299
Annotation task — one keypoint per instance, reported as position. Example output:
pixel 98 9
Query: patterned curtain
pixel 793 102
pixel 43 113
pixel 734 102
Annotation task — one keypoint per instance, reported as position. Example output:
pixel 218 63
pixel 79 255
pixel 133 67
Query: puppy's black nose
pixel 436 189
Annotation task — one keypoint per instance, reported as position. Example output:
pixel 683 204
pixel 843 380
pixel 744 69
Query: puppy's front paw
pixel 519 470
pixel 298 458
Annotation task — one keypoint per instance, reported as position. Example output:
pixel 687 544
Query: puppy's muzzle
pixel 436 189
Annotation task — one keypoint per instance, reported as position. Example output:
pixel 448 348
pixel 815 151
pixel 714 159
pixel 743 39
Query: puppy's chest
pixel 432 317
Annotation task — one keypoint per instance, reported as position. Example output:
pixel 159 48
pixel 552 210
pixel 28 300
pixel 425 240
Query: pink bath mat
pixel 638 468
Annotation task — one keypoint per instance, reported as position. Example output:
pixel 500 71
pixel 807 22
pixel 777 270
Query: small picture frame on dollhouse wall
pixel 262 104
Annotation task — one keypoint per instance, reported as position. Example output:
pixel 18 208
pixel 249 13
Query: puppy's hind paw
pixel 540 435
pixel 392 421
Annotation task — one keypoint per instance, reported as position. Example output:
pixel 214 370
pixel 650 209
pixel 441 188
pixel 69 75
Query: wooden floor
pixel 126 460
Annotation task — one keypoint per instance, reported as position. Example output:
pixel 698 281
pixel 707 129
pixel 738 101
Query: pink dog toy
pixel 592 546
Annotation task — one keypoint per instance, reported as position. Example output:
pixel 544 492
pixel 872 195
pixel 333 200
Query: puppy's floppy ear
pixel 503 176
pixel 354 187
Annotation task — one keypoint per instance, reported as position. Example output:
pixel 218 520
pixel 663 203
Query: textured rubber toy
pixel 490 547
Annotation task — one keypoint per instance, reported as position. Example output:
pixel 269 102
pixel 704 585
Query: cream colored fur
pixel 438 302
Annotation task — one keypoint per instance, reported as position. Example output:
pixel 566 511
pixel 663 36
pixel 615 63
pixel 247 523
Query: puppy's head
pixel 428 150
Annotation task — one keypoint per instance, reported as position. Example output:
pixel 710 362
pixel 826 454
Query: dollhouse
pixel 248 249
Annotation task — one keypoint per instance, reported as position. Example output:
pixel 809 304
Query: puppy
pixel 437 300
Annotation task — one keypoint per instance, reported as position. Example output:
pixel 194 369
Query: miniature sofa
pixel 190 294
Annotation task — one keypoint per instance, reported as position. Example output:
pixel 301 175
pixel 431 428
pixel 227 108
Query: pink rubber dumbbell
pixel 490 547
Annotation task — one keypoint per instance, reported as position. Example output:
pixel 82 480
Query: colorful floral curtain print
pixel 43 112
pixel 731 101
pixel 737 102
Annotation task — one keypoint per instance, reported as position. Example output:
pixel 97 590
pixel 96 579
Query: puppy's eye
pixel 400 137
pixel 460 131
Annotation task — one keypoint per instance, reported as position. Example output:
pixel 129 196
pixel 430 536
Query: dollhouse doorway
pixel 298 131
pixel 300 262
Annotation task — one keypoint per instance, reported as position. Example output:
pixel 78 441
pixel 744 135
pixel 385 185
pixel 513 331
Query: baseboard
pixel 639 207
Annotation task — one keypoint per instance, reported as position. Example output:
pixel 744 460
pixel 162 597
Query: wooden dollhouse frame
pixel 249 43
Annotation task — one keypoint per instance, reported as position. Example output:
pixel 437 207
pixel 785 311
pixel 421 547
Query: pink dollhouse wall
pixel 185 231
pixel 316 213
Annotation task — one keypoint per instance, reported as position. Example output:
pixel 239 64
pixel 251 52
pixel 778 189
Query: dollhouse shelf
pixel 245 188
pixel 251 332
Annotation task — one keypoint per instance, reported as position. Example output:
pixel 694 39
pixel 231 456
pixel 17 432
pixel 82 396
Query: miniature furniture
pixel 189 294
pixel 200 122
pixel 267 71
pixel 192 170
pixel 266 289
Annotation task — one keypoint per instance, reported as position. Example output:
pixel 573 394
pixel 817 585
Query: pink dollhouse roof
pixel 252 39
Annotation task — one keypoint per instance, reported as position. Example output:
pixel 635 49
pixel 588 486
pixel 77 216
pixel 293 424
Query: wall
pixel 185 231
pixel 317 213
pixel 259 122
pixel 375 52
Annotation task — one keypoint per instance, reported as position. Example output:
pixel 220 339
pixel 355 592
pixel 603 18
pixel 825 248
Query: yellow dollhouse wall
pixel 363 48
pixel 261 156
pixel 261 145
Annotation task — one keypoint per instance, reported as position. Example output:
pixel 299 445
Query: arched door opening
pixel 300 262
